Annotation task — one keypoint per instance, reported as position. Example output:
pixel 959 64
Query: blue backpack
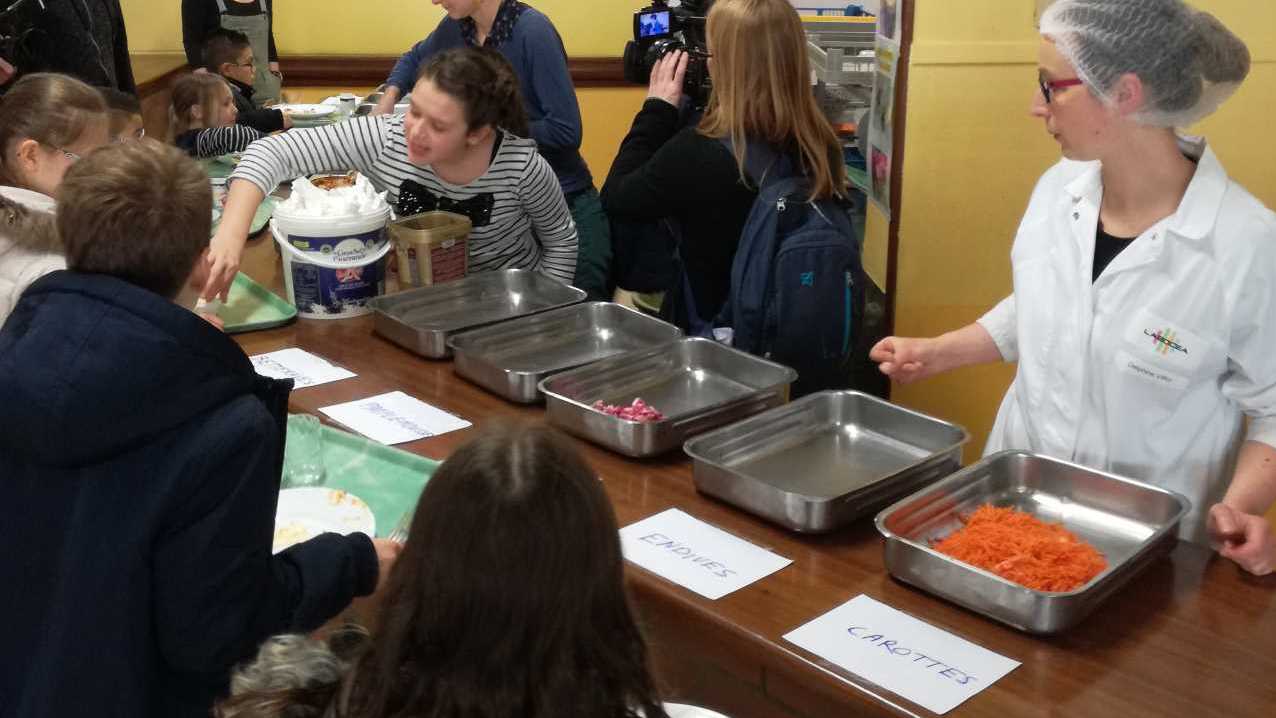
pixel 796 280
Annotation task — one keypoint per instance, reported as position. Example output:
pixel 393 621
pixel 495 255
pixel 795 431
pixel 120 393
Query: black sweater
pixel 664 170
pixel 81 38
pixel 264 120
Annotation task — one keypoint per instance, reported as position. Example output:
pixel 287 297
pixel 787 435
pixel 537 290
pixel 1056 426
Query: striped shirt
pixel 530 226
pixel 217 141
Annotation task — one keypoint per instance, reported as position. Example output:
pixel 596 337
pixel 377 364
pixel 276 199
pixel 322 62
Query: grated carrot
pixel 1020 547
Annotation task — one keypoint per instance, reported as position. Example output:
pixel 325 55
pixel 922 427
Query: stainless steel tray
pixel 1132 523
pixel 698 384
pixel 825 460
pixel 511 358
pixel 421 320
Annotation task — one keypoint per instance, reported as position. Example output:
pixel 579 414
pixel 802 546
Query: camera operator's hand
pixel 666 78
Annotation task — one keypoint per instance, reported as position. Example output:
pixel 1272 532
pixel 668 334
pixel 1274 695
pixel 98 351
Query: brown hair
pixel 508 600
pixel 54 110
pixel 122 107
pixel 198 89
pixel 485 85
pixel 223 45
pixel 762 90
pixel 138 211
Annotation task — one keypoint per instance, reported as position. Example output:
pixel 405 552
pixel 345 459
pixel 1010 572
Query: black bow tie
pixel 415 199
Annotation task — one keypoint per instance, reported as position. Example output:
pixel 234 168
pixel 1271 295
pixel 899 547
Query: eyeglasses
pixel 252 62
pixel 1048 87
pixel 140 133
pixel 65 153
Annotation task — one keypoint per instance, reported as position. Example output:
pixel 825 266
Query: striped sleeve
pixel 217 141
pixel 356 144
pixel 542 198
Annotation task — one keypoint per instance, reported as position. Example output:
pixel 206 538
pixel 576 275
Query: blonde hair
pixel 138 211
pixel 762 90
pixel 198 89
pixel 54 110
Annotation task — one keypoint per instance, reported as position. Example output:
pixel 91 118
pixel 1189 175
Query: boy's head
pixel 228 53
pixel 126 114
pixel 138 211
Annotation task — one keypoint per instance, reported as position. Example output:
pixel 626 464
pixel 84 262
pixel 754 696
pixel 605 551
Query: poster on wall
pixel 881 122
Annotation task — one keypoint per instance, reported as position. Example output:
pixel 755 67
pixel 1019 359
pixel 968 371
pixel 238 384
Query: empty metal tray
pixel 825 459
pixel 698 384
pixel 421 320
pixel 1130 522
pixel 511 358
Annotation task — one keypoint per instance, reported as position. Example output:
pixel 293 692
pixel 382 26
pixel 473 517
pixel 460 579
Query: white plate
pixel 306 112
pixel 304 513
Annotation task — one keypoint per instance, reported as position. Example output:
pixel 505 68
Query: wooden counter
pixel 1192 636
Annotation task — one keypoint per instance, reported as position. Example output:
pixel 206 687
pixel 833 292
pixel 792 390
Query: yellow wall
pixel 973 156
pixel 590 28
pixel 606 113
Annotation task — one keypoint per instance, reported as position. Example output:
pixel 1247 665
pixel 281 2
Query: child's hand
pixel 214 320
pixel 387 552
pixel 223 263
pixel 1244 538
pixel 287 120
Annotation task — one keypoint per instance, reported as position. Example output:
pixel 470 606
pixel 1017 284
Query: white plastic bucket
pixel 332 267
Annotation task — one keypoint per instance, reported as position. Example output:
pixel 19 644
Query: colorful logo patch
pixel 1163 340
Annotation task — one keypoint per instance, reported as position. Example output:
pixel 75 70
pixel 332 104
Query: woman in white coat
pixel 1143 318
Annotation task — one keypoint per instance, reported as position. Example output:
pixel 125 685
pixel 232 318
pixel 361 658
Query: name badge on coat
pixel 1160 352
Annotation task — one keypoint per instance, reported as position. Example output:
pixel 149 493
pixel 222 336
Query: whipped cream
pixel 310 201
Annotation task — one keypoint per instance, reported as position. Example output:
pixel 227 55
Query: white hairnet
pixel 1187 60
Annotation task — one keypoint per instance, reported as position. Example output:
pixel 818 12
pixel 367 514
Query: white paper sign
pixel 926 665
pixel 304 368
pixel 394 418
pixel 696 555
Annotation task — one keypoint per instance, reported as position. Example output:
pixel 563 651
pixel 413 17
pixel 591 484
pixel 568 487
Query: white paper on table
pixel 305 369
pixel 394 418
pixel 696 555
pixel 924 664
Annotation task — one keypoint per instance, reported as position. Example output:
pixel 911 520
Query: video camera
pixel 664 27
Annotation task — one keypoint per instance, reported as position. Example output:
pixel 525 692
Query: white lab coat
pixel 1147 371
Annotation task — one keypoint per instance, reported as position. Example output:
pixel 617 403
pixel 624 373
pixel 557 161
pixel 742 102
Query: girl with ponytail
pixel 1144 307
pixel 457 149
